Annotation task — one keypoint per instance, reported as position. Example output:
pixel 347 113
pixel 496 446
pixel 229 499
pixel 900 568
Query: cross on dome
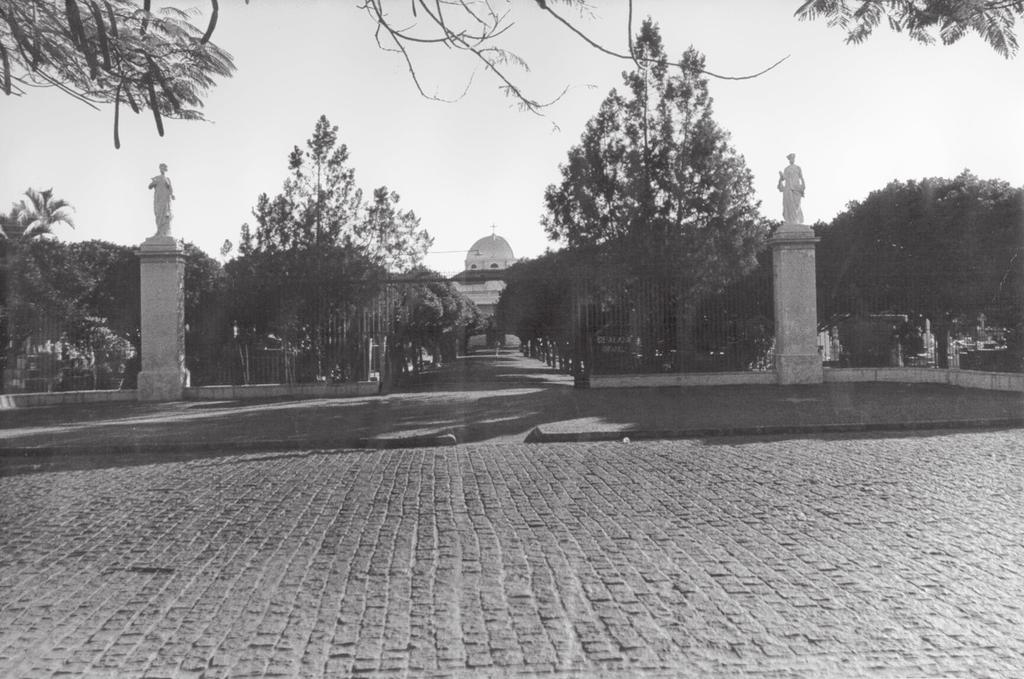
pixel 489 253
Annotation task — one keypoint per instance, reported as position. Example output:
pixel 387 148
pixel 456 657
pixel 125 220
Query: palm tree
pixel 36 216
pixel 31 218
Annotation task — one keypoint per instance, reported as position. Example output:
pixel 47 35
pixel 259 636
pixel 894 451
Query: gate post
pixel 162 285
pixel 797 360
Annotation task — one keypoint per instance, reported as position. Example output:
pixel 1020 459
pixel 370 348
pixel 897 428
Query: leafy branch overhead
pixel 126 52
pixel 992 20
pixel 112 51
pixel 474 27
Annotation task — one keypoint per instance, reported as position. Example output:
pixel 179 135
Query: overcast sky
pixel 857 117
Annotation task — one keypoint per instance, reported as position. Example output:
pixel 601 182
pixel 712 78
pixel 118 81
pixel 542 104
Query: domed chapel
pixel 483 279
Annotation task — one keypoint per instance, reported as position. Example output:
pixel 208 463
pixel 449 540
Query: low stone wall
pixel 972 379
pixel 682 379
pixel 60 398
pixel 241 392
pixel 217 393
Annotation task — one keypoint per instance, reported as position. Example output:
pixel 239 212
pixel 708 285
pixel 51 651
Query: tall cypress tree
pixel 654 178
pixel 656 191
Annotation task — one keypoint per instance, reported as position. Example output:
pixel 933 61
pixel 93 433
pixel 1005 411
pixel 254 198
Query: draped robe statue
pixel 791 184
pixel 163 194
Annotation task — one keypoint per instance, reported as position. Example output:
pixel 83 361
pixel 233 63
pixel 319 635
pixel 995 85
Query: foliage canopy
pixel 112 51
pixel 947 249
pixel 127 52
pixel 993 20
pixel 35 216
pixel 654 179
pixel 321 206
pixel 319 257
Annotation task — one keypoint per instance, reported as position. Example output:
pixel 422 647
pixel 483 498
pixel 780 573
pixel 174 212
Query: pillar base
pixel 158 243
pixel 799 369
pixel 162 385
pixel 790 230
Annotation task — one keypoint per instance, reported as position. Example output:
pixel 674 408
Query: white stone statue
pixel 791 184
pixel 163 194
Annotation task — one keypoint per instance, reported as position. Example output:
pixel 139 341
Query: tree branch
pixel 631 56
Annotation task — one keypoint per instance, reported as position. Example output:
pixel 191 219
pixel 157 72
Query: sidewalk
pixel 502 397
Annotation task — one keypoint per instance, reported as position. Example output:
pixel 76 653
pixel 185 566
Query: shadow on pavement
pixel 480 398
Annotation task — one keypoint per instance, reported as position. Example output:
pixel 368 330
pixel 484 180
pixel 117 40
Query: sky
pixel 857 116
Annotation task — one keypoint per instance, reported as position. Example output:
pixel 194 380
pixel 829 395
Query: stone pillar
pixel 797 360
pixel 162 267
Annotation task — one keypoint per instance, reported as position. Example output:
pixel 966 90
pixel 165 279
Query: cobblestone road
pixel 891 557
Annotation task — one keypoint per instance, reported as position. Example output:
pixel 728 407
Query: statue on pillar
pixel 163 194
pixel 791 184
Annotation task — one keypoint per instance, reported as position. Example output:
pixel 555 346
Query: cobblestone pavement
pixel 862 556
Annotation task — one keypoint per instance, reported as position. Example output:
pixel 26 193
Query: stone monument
pixel 797 360
pixel 162 283
pixel 163 194
pixel 792 186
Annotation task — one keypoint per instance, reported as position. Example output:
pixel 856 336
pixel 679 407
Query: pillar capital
pixel 159 247
pixel 793 233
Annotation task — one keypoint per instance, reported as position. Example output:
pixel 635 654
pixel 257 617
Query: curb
pixel 445 438
pixel 184 447
pixel 538 435
pixel 449 438
pixel 442 438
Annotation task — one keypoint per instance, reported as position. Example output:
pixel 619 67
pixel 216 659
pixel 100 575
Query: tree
pixel 943 249
pixel 656 191
pixel 123 51
pixel 55 291
pixel 429 310
pixel 390 237
pixel 320 206
pixel 313 301
pixel 475 29
pixel 317 241
pixel 117 51
pixel 993 20
pixel 36 282
pixel 537 300
pixel 110 285
pixel 112 297
pixel 27 295
pixel 104 355
pixel 35 216
pixel 654 179
pixel 319 203
pixel 86 294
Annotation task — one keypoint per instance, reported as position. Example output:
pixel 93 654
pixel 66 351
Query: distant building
pixel 483 279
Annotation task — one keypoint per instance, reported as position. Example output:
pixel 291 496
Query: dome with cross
pixel 490 253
